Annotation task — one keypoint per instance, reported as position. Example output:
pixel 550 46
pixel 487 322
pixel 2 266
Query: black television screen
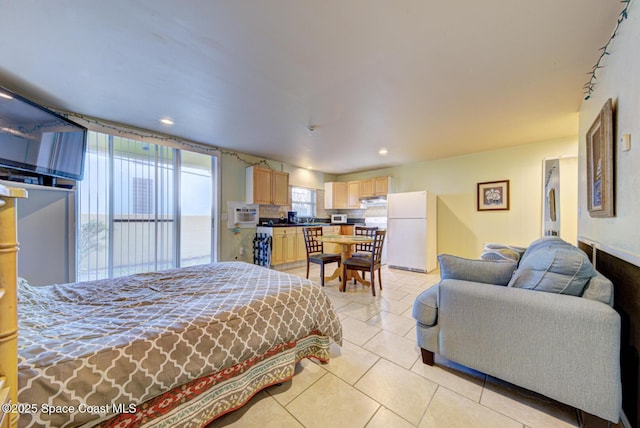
pixel 36 140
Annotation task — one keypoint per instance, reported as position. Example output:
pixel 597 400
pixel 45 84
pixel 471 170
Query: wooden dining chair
pixel 364 249
pixel 369 264
pixel 315 251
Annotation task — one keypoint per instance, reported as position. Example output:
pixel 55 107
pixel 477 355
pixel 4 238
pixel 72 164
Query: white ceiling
pixel 426 79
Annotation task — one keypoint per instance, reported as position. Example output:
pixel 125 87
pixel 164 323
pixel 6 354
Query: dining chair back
pixel 370 264
pixel 364 249
pixel 315 250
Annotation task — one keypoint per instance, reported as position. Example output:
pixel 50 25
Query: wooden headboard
pixel 8 302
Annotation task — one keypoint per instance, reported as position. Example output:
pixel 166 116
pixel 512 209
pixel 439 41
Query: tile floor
pixel 377 379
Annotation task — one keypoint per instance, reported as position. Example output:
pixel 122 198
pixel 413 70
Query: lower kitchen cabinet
pixel 288 245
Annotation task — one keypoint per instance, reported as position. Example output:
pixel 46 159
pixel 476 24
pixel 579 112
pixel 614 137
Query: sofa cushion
pixel 554 266
pixel 486 271
pixel 493 251
pixel 425 307
pixel 599 288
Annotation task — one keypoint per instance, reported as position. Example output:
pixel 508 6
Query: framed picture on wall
pixel 493 196
pixel 600 197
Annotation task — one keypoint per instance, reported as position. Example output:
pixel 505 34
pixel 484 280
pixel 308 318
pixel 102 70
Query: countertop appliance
pixel 412 231
pixel 292 217
pixel 338 218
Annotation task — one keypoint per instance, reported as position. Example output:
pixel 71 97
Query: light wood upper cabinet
pixel 366 188
pixel 266 187
pixel 280 188
pixel 335 195
pixel 382 186
pixel 353 194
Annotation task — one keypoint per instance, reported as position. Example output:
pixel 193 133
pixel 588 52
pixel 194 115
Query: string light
pixel 142 135
pixel 589 86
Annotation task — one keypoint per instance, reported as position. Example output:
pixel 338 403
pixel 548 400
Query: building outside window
pixel 142 207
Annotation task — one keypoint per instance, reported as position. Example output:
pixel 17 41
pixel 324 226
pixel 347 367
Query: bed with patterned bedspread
pixel 173 348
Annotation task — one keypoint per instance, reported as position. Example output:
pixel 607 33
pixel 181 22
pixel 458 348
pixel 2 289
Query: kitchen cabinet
pixel 335 195
pixel 285 245
pixel 346 229
pixel 331 248
pixel 382 186
pixel 301 247
pixel 366 188
pixel 353 194
pixel 266 187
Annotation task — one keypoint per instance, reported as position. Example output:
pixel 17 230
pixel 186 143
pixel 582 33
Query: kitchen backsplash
pixel 276 211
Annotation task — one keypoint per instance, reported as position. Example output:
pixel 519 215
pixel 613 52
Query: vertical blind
pixel 130 208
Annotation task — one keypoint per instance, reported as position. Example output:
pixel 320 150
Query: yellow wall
pixel 461 228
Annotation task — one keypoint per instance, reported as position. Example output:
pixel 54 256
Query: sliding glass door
pixel 142 207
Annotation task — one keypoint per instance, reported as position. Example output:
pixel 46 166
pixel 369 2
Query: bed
pixel 179 347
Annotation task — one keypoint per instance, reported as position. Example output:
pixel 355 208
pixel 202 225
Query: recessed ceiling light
pixel 166 121
pixel 383 152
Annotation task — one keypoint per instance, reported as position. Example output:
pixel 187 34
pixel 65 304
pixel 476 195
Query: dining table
pixel 346 243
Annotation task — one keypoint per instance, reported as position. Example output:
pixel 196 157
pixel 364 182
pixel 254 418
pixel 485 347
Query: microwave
pixel 338 218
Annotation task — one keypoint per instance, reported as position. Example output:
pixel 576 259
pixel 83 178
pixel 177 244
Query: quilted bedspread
pixel 123 341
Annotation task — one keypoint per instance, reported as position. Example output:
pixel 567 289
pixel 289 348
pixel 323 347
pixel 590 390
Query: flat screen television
pixel 39 141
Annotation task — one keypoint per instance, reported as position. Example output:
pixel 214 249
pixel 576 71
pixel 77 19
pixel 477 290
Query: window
pixel 137 208
pixel 303 201
pixel 142 195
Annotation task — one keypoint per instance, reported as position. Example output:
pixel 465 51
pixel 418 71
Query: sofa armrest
pixel 558 345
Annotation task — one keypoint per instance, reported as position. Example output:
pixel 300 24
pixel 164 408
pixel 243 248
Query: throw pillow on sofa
pixel 493 251
pixel 554 266
pixel 485 271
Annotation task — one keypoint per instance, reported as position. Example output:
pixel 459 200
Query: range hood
pixel 374 200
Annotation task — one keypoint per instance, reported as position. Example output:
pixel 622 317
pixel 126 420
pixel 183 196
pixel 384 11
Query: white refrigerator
pixel 412 231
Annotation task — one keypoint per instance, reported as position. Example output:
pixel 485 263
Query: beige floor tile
pixel 359 311
pixel 409 313
pixel 378 360
pixel 468 384
pixel 305 375
pixel 391 322
pixel 331 402
pixel 451 410
pixel 262 411
pixel 389 293
pixel 338 301
pixel 358 332
pixel 403 392
pixel 350 361
pixel 385 418
pixel 400 350
pixel 411 334
pixel 394 306
pixel 527 407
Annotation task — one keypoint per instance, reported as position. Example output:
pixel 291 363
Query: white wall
pixel 462 229
pixel 46 234
pixel 620 81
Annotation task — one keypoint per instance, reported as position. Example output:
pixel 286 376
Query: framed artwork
pixel 493 196
pixel 600 197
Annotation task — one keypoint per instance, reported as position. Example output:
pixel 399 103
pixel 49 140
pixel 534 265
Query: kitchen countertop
pixel 305 224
